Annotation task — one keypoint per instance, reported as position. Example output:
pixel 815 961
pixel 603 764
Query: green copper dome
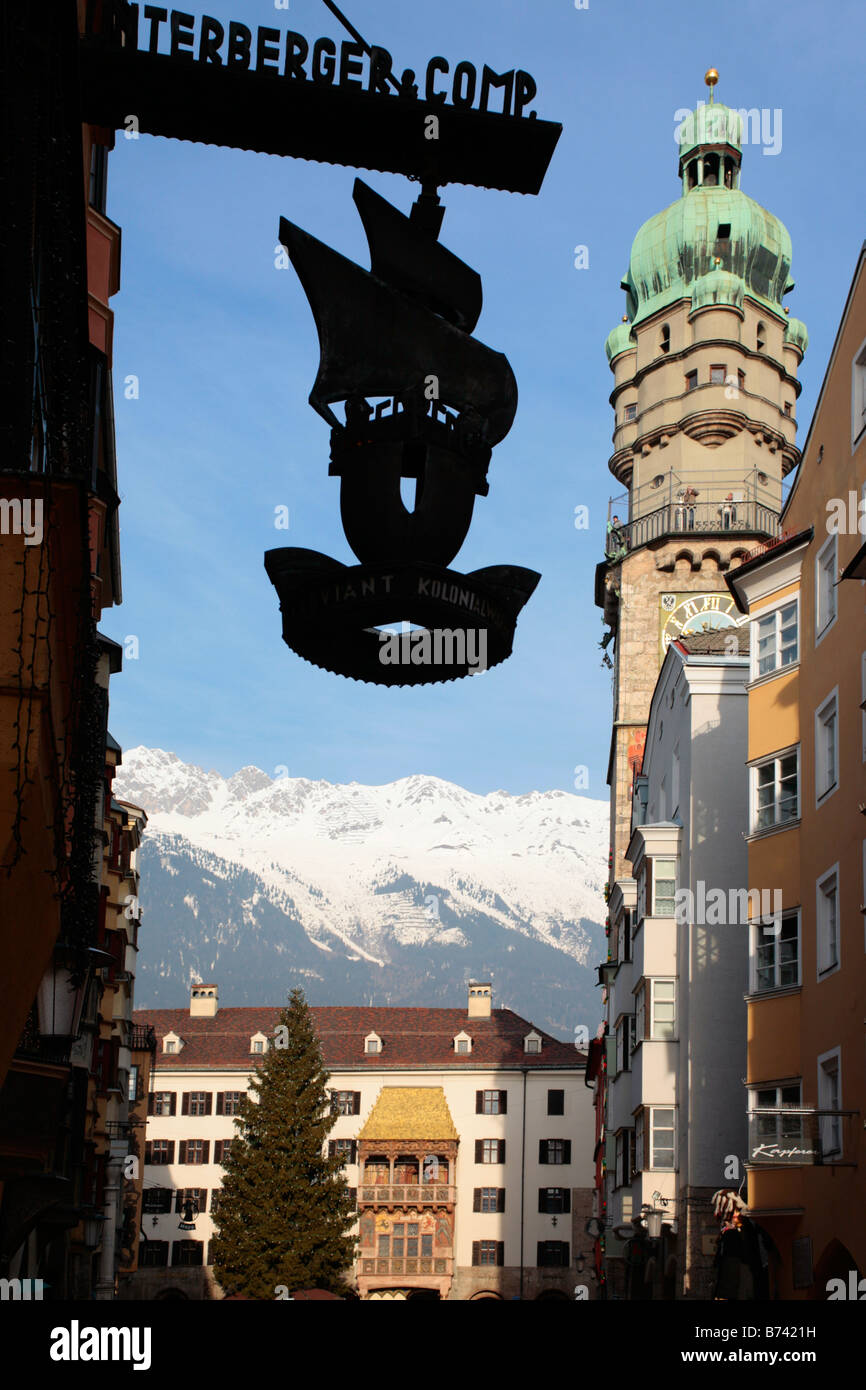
pixel 680 245
pixel 795 333
pixel 712 125
pixel 712 228
pixel 718 287
pixel 620 339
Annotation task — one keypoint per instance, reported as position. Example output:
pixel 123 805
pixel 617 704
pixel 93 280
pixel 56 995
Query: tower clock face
pixel 682 614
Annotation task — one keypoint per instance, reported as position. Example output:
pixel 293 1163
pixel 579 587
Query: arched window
pixel 761 340
pixel 665 343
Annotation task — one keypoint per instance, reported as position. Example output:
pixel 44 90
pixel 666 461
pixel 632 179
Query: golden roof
pixel 410 1112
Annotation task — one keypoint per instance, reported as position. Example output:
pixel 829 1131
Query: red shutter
pixel 182 1151
pixel 208 1105
pixel 479 1151
pixel 542 1150
pixel 500 1252
pixel 476 1252
pixel 171 1151
pixel 476 1199
pixel 500 1205
pixel 172 1109
pixel 220 1104
pixel 148 1149
pixel 150 1099
pixel 205 1155
pixel 184 1109
pixel 502 1151
pixel 356 1102
pixel 479 1102
pixel 503 1102
pixel 566 1157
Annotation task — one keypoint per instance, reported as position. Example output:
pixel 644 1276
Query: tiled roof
pixel 410 1037
pixel 410 1112
pixel 717 641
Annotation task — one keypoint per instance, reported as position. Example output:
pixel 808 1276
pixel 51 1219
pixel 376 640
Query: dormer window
pixel 171 1043
pixel 372 1044
pixel 532 1043
pixel 463 1044
pixel 258 1044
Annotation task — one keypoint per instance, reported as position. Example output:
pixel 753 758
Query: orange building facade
pixel 806 1072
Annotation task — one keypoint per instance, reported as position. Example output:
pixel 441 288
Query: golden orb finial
pixel 625 318
pixel 711 77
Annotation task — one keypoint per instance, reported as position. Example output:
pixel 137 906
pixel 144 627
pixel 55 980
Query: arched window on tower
pixel 711 170
pixel 761 340
pixel 692 173
pixel 665 341
pixel 729 173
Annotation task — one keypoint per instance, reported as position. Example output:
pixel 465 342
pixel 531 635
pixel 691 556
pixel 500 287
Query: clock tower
pixel 705 366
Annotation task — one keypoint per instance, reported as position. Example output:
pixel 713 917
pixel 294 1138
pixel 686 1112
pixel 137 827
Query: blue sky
pixel 225 350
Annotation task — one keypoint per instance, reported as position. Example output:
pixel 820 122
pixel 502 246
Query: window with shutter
pixel 502 1151
pixel 501 1202
pixel 220 1100
pixel 500 1252
pixel 542 1150
pixel 184 1105
pixel 476 1252
pixel 479 1150
pixel 182 1151
pixel 556 1102
pixel 476 1199
pixel 479 1102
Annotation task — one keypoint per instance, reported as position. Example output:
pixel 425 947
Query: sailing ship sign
pixel 422 400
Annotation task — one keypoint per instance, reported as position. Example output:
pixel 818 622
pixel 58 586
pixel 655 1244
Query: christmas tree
pixel 284 1209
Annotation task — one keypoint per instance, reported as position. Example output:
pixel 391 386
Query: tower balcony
pixel 716 506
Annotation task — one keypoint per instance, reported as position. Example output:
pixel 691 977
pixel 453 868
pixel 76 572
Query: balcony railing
pixel 788 1137
pixel 401 1195
pixel 423 1264
pixel 721 503
pixel 142 1038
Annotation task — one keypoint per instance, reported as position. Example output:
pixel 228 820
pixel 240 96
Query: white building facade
pixel 501 1212
pixel 677 975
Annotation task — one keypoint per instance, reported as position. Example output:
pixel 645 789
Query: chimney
pixel 480 999
pixel 203 1001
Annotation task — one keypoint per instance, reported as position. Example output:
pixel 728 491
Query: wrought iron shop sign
pixel 400 335
pixel 275 90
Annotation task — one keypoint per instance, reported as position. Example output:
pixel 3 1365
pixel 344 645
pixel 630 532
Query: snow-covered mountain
pixel 398 893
